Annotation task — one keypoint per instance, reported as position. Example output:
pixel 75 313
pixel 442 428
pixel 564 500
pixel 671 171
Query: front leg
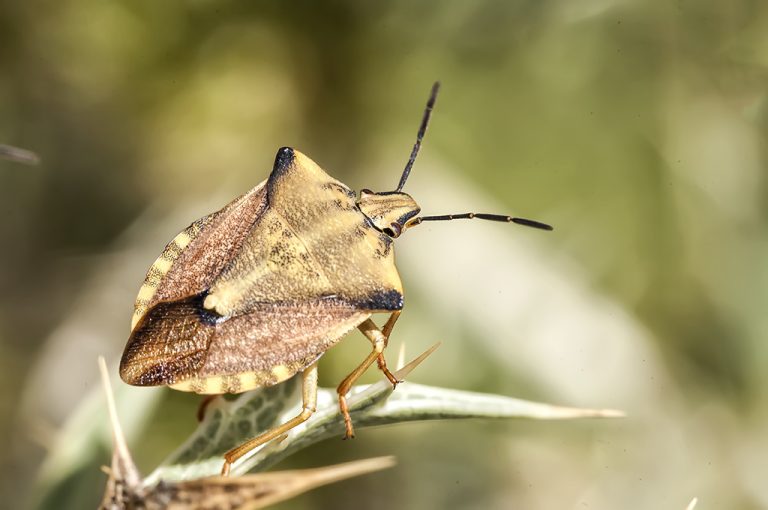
pixel 387 331
pixel 379 339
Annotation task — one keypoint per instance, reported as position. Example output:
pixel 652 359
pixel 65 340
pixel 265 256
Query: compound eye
pixel 394 230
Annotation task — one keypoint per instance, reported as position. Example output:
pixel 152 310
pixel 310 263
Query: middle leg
pixel 379 340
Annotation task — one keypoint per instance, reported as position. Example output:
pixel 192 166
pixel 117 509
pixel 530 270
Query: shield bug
pixel 252 294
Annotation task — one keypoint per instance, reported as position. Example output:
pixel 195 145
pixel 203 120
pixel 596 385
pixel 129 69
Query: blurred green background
pixel 637 128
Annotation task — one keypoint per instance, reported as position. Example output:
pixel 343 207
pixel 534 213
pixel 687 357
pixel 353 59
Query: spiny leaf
pixel 253 491
pixel 227 424
pixel 122 477
pixel 86 434
pixel 124 488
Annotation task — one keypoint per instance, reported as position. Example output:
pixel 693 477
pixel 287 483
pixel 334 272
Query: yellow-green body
pixel 256 292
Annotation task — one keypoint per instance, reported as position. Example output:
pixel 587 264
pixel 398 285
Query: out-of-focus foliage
pixel 637 128
pixel 18 155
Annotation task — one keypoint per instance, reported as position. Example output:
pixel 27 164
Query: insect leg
pixel 389 326
pixel 309 403
pixel 386 331
pixel 379 341
pixel 204 406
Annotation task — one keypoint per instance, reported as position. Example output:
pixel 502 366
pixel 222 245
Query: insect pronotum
pixel 254 293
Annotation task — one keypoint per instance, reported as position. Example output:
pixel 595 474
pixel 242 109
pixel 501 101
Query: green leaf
pixel 229 423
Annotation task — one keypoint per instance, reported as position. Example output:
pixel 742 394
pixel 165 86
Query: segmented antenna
pixel 420 134
pixel 463 216
pixel 482 216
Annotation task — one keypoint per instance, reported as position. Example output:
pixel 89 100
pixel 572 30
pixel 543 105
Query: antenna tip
pixel 532 223
pixel 433 93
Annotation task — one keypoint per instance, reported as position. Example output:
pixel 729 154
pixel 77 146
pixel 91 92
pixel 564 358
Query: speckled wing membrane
pixel 254 293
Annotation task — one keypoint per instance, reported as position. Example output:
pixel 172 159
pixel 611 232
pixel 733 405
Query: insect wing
pixel 192 261
pixel 182 344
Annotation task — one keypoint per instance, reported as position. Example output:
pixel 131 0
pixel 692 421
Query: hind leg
pixel 309 403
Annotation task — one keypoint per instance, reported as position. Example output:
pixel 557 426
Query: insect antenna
pixel 482 216
pixel 420 134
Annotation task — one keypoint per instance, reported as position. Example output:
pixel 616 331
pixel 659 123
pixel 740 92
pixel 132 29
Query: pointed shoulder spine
pixel 283 161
